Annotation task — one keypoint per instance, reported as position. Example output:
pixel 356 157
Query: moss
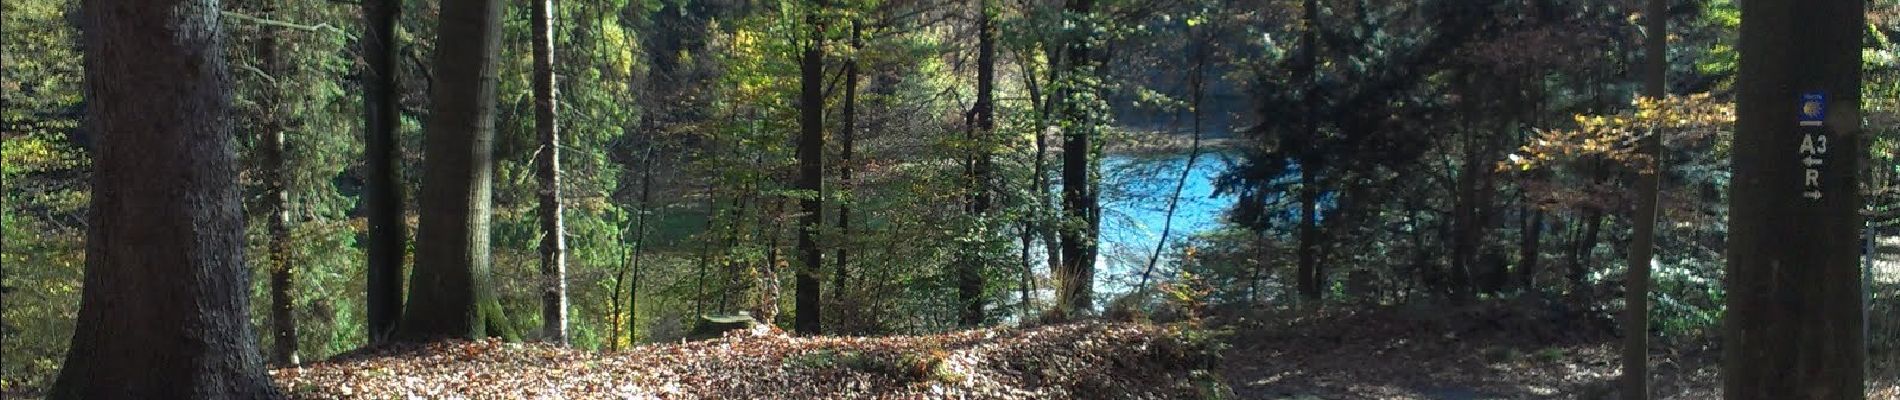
pixel 491 322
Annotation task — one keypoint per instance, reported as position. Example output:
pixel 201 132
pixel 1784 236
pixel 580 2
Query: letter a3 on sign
pixel 1813 142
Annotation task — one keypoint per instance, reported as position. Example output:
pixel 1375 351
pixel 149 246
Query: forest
pixel 956 199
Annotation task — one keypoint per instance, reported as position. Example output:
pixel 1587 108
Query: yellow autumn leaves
pixel 1690 119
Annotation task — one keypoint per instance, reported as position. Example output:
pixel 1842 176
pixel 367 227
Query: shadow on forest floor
pixel 1496 350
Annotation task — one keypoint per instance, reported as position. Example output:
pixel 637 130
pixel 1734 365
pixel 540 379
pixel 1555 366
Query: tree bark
pixel 451 294
pixel 1528 251
pixel 1580 255
pixel 705 251
pixel 1794 328
pixel 741 202
pixel 1080 209
pixel 553 236
pixel 1308 271
pixel 639 242
pixel 1582 247
pixel 970 271
pixel 382 193
pixel 766 281
pixel 1635 377
pixel 1040 223
pixel 811 175
pixel 270 120
pixel 1465 237
pixel 848 128
pixel 1311 286
pixel 165 308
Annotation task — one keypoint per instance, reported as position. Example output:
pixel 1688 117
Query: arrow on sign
pixel 1810 161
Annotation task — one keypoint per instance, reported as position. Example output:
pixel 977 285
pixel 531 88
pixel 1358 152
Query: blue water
pixel 1135 193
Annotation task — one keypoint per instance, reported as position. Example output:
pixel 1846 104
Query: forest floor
pixel 1491 351
pixel 1496 350
pixel 1070 361
pixel 1484 352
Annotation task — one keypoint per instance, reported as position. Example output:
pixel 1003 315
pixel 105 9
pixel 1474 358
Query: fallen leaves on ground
pixel 1071 361
pixel 1492 351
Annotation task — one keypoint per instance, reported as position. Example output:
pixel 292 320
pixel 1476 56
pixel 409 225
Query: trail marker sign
pixel 1813 113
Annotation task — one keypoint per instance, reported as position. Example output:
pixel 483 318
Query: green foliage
pixel 321 117
pixel 43 167
pixel 1410 100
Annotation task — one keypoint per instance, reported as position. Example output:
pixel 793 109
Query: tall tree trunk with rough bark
pixel 811 175
pixel 1648 186
pixel 164 311
pixel 451 294
pixel 553 236
pixel 382 193
pixel 1081 212
pixel 271 125
pixel 548 169
pixel 1794 327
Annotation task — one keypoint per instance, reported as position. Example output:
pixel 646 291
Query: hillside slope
pixel 1072 361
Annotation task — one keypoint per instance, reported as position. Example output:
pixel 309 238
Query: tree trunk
pixel 1309 275
pixel 811 176
pixel 164 311
pixel 451 295
pixel 270 119
pixel 970 271
pixel 553 236
pixel 1580 255
pixel 705 252
pixel 1308 271
pixel 741 203
pixel 1794 324
pixel 639 238
pixel 1528 253
pixel 765 306
pixel 1081 212
pixel 849 128
pixel 1491 266
pixel 1583 247
pixel 382 194
pixel 1042 225
pixel 1643 237
pixel 1463 244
